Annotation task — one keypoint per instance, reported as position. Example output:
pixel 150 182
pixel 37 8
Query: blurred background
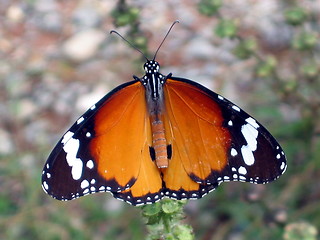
pixel 57 59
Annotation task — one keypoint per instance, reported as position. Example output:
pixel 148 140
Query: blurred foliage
pixel 266 67
pixel 305 41
pixel 209 7
pixel 288 209
pixel 245 48
pixel 301 137
pixel 296 15
pixel 300 231
pixel 226 28
pixel 125 15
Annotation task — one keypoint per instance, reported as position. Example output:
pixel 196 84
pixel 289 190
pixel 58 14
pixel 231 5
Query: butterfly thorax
pixel 153 81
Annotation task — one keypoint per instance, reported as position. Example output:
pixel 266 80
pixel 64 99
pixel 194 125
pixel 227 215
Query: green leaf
pixel 226 28
pixel 245 49
pixel 305 41
pixel 310 70
pixel 300 231
pixel 152 209
pixel 183 232
pixel 266 68
pixel 295 16
pixel 170 206
pixel 209 7
pixel 124 16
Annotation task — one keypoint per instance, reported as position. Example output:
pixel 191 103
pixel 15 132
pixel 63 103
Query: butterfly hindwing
pixel 191 133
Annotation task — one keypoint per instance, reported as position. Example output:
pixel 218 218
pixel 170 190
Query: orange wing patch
pixel 199 142
pixel 148 186
pixel 121 143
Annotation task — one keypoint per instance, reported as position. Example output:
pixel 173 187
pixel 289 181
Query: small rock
pixel 86 17
pixel 27 109
pixel 15 13
pixel 200 48
pixel 6 146
pixel 83 45
pixel 51 22
pixel 43 6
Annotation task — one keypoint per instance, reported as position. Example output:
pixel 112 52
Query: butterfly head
pixel 151 67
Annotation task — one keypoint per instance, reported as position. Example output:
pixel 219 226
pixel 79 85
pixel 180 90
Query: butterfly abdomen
pixel 159 143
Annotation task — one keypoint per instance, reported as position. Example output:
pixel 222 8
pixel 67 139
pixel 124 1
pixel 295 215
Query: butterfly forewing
pixel 105 149
pixel 225 143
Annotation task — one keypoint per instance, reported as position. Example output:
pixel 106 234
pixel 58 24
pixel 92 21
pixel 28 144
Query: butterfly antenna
pixel 134 47
pixel 155 55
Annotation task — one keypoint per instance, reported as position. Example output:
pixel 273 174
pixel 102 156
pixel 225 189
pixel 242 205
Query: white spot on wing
pixel 234 152
pixel 253 122
pixel 220 97
pixel 90 164
pixel 66 137
pixel 242 170
pixel 84 184
pixel 86 191
pixel 283 165
pixel 71 148
pixel 242 178
pixel 93 107
pixel 250 134
pixel 76 170
pixel 80 120
pixel 284 168
pixel 247 155
pixel 236 108
pixel 45 186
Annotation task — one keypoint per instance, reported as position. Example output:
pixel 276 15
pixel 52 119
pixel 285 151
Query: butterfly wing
pixel 107 149
pixel 213 141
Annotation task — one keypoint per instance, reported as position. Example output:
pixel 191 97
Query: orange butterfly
pixel 160 136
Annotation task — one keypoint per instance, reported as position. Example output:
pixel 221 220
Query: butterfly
pixel 160 136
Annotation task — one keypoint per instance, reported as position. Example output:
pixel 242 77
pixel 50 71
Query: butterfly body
pixel 161 136
pixel 153 81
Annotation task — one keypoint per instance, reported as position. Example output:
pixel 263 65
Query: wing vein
pixel 186 103
pixel 121 115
